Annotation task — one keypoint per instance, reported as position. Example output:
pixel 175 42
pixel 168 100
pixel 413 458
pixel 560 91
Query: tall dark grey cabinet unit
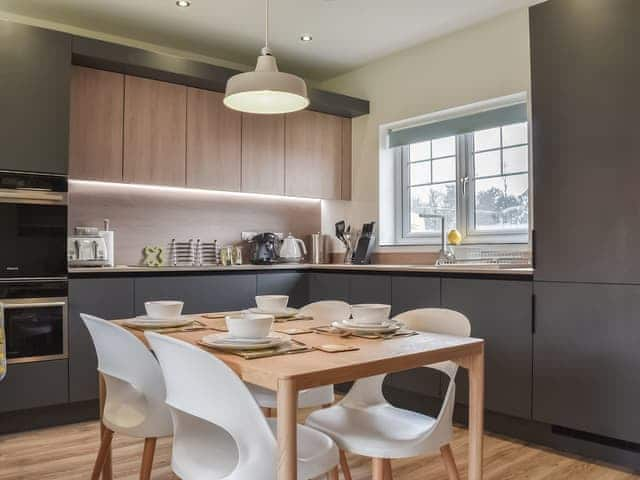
pixel 586 105
pixel 35 66
pixel 585 77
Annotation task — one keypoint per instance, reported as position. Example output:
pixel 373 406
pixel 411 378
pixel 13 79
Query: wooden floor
pixel 67 453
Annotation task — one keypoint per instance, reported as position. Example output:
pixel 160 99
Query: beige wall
pixel 482 62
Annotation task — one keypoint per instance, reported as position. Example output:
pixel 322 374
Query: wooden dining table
pixel 288 374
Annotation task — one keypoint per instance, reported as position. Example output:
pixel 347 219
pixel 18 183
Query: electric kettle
pixel 292 249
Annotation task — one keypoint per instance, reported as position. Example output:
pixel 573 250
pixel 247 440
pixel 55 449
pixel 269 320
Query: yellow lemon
pixel 454 237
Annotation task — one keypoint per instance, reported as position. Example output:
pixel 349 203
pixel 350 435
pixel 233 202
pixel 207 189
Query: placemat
pixel 284 349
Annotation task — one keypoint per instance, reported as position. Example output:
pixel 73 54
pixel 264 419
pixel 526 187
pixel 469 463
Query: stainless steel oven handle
pixel 33 305
pixel 31 196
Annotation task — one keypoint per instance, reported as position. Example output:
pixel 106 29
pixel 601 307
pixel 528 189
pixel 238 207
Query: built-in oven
pixel 35 319
pixel 33 225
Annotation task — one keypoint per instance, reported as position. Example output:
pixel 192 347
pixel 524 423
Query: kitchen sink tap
pixel 446 254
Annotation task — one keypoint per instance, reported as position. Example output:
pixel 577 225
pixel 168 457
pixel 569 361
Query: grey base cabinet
pixel 293 284
pixel 500 313
pixel 409 293
pixel 34 113
pixel 33 385
pixel 108 298
pixel 200 294
pixel 329 286
pixel 586 358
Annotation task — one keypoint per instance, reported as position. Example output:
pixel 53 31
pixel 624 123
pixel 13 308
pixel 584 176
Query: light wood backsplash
pixel 153 216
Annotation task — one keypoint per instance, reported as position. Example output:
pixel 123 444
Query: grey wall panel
pixel 329 286
pixel 369 289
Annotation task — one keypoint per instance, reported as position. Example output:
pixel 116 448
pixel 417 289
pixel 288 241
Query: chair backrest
pixel 327 310
pixel 437 320
pixel 135 387
pixel 211 404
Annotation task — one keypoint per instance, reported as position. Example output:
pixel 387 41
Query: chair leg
pixel 333 474
pixel 378 469
pixel 388 473
pixel 344 466
pixel 147 458
pixel 449 462
pixel 105 444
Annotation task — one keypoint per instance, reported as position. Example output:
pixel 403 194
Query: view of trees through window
pixel 491 168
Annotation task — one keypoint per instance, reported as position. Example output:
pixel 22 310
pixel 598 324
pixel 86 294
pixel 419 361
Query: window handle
pixel 464 182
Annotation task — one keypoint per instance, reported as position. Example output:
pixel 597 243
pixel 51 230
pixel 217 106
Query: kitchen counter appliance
pixel 87 248
pixel 264 248
pixel 292 250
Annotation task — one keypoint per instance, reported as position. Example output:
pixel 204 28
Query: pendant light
pixel 266 90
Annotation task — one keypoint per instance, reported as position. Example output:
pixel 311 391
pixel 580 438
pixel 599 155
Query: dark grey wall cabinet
pixel 34 104
pixel 329 286
pixel 108 298
pixel 369 289
pixel 585 100
pixel 293 284
pixel 500 313
pixel 32 385
pixel 210 293
pixel 408 293
pixel 586 358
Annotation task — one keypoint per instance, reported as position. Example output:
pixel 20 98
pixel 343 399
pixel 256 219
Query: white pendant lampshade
pixel 266 90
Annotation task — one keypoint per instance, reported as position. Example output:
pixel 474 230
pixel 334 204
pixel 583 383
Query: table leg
pixel 107 470
pixel 287 430
pixel 476 413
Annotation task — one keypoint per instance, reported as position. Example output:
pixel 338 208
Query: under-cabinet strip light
pixel 187 190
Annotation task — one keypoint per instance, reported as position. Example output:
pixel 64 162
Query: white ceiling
pixel 346 33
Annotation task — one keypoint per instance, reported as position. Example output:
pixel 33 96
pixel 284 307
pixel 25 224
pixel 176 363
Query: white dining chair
pixel 219 430
pixel 364 423
pixel 135 393
pixel 328 311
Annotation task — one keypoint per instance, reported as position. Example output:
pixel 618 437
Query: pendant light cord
pixel 266 29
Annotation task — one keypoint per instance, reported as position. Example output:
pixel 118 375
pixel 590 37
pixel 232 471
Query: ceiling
pixel 346 33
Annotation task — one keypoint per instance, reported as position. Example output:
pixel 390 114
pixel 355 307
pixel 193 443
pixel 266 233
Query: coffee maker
pixel 264 248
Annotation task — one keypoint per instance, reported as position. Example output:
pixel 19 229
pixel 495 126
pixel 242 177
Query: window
pixel 478 179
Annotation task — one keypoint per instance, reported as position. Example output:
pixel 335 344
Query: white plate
pixel 352 323
pixel 223 341
pixel 372 329
pixel 286 313
pixel 145 321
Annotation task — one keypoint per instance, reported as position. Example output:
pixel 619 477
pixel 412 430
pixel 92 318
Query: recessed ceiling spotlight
pixel 183 3
pixel 306 37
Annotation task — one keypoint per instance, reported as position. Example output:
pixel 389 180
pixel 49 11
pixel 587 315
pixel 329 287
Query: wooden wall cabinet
pixel 313 152
pixel 214 141
pixel 263 153
pixel 96 127
pixel 155 130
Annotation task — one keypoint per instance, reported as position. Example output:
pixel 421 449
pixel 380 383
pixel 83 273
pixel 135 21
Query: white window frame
pixel 465 195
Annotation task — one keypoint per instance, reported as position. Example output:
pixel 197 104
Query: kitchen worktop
pixel 458 269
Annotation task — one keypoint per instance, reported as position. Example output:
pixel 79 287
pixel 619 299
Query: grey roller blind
pixel 457 126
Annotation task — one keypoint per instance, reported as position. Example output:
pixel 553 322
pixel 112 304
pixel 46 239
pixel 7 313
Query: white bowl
pixel 163 309
pixel 370 313
pixel 249 325
pixel 272 303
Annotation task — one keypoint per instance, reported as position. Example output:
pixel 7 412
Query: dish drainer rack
pixel 194 253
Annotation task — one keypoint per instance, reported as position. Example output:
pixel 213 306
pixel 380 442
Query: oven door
pixel 36 329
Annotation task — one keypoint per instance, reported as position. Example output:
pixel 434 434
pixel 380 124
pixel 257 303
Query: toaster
pixel 87 248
